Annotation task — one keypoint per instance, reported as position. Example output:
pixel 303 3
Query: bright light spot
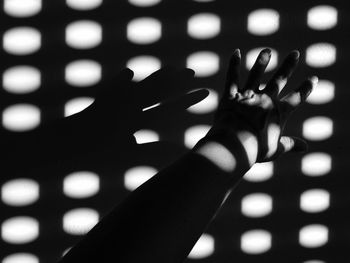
pixel 20 230
pixel 21 79
pixel 259 172
pixel 263 22
pixel 204 63
pixel 320 55
pixel 66 251
pixel 144 3
pixel 314 261
pixel 312 236
pixel 317 128
pixel 262 86
pixel 145 30
pixel 252 55
pixel 136 176
pixel 257 205
pixel 219 155
pixel 83 34
pixel 22 8
pixel 322 17
pixel 143 66
pixel 194 134
pixel 83 4
pixel 250 144
pixel 146 136
pixel 151 107
pixel 203 248
pixel 209 104
pixel 79 221
pixel 273 132
pixel 323 93
pixel 256 241
pixel 314 200
pixel 76 105
pixel 21 40
pixel 83 73
pixel 81 184
pixel 20 192
pixel 21 258
pixel 316 164
pixel 204 26
pixel 21 117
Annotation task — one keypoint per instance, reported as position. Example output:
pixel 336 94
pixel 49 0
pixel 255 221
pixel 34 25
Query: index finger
pixel 232 75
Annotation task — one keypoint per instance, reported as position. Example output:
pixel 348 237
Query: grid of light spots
pixel 20 192
pixel 315 234
pixel 93 36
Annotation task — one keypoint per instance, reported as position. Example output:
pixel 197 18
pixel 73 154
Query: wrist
pixel 229 150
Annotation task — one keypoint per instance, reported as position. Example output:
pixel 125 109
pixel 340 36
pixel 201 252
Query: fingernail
pixel 266 50
pixel 314 80
pixel 264 58
pixel 237 52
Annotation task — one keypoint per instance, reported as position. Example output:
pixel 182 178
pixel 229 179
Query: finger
pixel 295 98
pixel 111 88
pixel 279 80
pixel 291 144
pixel 164 84
pixel 125 75
pixel 258 70
pixel 154 84
pixel 182 82
pixel 232 75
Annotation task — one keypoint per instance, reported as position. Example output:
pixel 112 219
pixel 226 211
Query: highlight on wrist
pixel 273 133
pixel 219 155
pixel 250 145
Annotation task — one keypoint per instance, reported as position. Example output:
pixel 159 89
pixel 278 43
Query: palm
pixel 262 113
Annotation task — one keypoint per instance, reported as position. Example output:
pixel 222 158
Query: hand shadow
pixel 102 135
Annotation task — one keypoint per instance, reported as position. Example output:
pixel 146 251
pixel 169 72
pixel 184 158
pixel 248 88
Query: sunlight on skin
pixel 218 155
pixel 287 142
pixel 250 144
pixel 264 58
pixel 294 99
pixel 273 132
pixel 281 82
pixel 233 91
pixel 266 102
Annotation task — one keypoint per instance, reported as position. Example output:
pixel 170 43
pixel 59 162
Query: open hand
pixel 109 123
pixel 257 116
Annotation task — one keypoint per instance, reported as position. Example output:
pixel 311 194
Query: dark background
pixel 287 182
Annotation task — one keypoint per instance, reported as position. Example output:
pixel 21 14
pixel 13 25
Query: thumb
pixel 291 144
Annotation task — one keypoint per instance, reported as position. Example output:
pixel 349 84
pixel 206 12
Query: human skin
pixel 162 219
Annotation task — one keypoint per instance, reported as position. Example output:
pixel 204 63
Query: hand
pixel 109 123
pixel 118 110
pixel 120 107
pixel 257 117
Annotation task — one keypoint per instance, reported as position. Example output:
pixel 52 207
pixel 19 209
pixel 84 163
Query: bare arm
pixel 162 219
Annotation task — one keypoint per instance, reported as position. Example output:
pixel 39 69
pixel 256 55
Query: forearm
pixel 162 219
